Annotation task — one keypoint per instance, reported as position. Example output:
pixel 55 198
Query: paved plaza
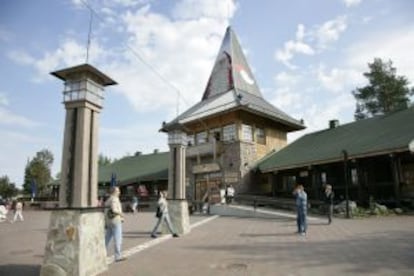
pixel 238 241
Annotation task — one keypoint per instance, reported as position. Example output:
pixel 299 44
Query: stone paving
pixel 238 242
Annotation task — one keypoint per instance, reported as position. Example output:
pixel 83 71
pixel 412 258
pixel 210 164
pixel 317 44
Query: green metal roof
pixel 369 137
pixel 145 167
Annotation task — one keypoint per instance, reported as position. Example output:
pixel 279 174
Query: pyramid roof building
pixel 232 86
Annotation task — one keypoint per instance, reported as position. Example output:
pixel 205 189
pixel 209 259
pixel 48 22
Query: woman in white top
pixel 163 209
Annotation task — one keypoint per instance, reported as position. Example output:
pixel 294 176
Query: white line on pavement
pixel 134 250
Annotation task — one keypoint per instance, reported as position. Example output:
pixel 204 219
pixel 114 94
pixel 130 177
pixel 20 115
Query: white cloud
pixel 9 118
pixel 350 3
pixel 387 45
pixel 293 47
pixel 320 36
pixel 286 99
pixel 3 99
pixel 154 42
pixel 114 141
pixel 21 57
pixel 287 95
pixel 172 49
pixel 70 52
pixel 338 80
pixel 317 115
pixel 195 9
pixel 330 31
pixel 284 78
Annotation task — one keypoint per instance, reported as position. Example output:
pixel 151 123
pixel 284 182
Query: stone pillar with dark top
pixel 75 241
pixel 177 203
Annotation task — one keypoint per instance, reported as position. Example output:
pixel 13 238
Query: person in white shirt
pixel 114 217
pixel 230 194
pixel 18 211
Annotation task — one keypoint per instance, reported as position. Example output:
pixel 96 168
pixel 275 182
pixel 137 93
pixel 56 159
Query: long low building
pixel 141 173
pixel 368 158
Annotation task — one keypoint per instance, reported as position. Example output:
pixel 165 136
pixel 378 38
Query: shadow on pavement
pixel 19 270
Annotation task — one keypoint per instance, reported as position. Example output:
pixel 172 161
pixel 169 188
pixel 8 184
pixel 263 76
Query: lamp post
pixel 177 140
pixel 76 228
pixel 83 98
pixel 345 154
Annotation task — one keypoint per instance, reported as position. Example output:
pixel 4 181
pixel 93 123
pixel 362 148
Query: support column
pixel 178 206
pixel 396 173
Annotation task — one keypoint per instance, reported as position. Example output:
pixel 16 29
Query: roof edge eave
pixel 331 160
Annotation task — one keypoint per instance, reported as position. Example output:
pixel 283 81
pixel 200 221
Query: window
pixel 215 134
pixel 260 136
pixel 247 133
pixel 323 178
pixel 190 140
pixel 201 137
pixel 354 176
pixel 229 132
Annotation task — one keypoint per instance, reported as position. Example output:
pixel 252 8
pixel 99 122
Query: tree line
pixel 37 175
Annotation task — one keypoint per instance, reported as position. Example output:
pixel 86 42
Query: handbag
pixel 110 213
pixel 158 213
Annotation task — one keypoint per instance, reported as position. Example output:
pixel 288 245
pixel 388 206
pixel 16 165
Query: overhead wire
pixel 147 64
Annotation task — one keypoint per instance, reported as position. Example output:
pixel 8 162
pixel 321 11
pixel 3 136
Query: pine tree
pixel 386 92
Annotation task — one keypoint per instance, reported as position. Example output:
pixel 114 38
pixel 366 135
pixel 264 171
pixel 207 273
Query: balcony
pixel 206 149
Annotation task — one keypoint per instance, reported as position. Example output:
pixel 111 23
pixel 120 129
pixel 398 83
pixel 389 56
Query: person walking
pixel 18 211
pixel 114 219
pixel 230 194
pixel 329 200
pixel 301 208
pixel 134 204
pixel 163 215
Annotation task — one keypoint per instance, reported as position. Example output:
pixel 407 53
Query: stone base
pixel 75 243
pixel 180 218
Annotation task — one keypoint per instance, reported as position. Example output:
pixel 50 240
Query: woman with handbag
pixel 114 219
pixel 163 215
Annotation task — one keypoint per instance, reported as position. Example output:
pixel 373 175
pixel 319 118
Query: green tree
pixel 7 189
pixel 103 160
pixel 386 92
pixel 39 170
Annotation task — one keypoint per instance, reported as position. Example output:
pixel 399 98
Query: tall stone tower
pixel 82 97
pixel 75 242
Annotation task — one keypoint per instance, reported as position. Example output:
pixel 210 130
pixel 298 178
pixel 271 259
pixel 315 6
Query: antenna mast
pixel 89 36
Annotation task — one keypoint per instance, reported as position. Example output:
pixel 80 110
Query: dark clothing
pixel 329 200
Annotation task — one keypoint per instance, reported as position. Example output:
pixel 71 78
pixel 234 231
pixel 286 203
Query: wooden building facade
pixel 364 159
pixel 231 128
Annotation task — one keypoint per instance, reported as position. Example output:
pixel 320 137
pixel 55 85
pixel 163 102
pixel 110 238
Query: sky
pixel 307 57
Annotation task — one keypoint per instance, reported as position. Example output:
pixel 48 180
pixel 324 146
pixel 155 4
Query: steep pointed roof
pixel 232 86
pixel 231 70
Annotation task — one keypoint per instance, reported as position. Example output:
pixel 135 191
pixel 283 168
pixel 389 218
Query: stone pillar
pixel 75 242
pixel 177 205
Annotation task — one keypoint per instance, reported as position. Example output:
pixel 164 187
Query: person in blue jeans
pixel 114 218
pixel 301 208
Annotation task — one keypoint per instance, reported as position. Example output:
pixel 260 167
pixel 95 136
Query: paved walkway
pixel 238 242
